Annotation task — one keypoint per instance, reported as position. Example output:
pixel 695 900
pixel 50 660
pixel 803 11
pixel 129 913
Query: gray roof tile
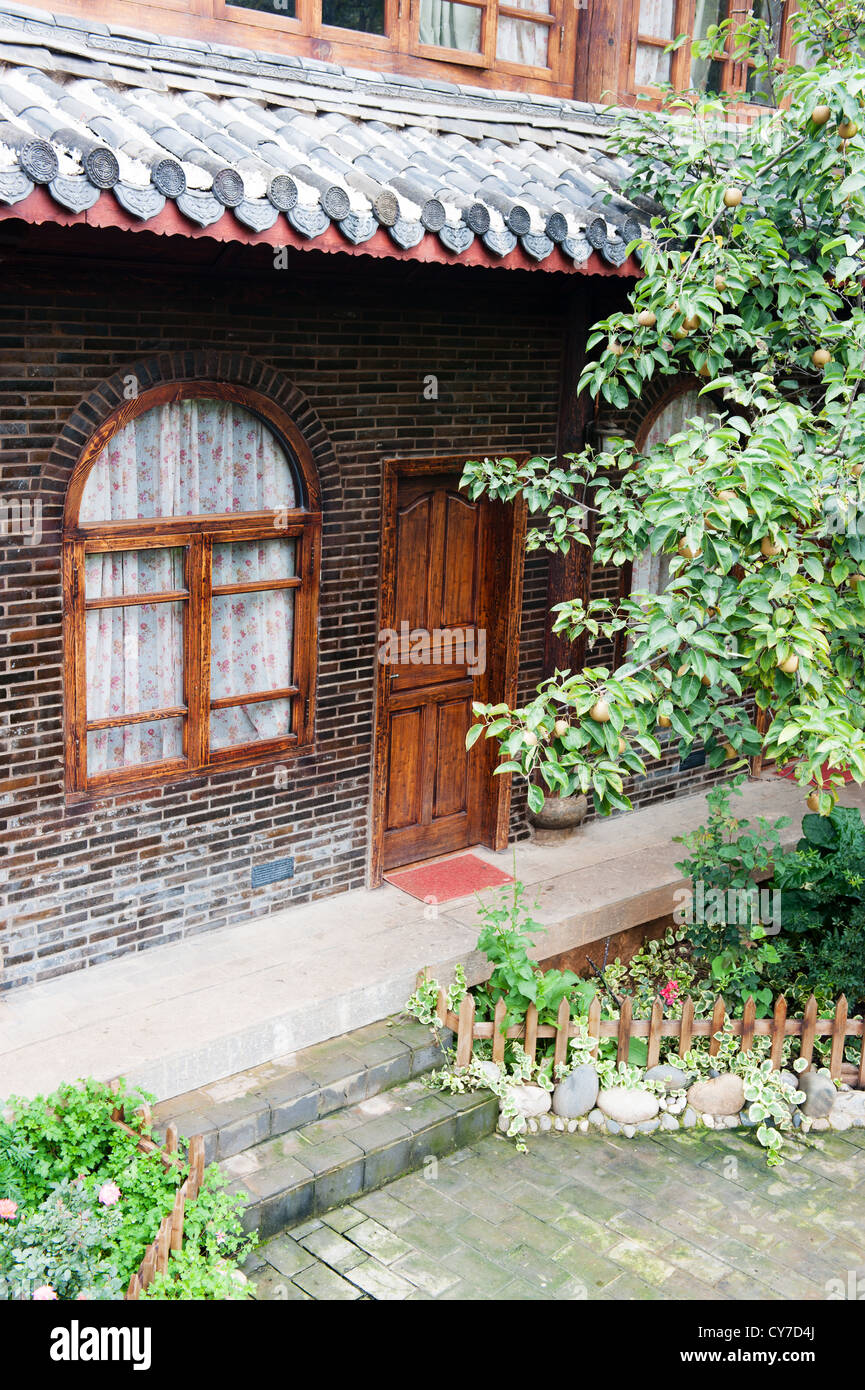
pixel 226 132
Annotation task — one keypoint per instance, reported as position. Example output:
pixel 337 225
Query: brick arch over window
pixel 235 369
pixel 191 559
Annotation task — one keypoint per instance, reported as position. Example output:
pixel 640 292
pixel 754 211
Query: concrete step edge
pixel 289 1192
pixel 295 1097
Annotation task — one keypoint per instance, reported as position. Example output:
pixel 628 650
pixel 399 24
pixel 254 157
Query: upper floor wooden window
pixel 519 36
pixel 191 547
pixel 658 22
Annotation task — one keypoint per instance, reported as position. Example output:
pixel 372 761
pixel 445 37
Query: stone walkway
pixel 689 1216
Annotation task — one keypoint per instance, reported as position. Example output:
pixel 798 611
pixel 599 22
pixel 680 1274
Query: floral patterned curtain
pixel 251 642
pixel 134 657
pixel 192 457
pixel 189 458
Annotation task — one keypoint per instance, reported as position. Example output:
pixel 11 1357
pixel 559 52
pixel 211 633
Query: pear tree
pixel 752 285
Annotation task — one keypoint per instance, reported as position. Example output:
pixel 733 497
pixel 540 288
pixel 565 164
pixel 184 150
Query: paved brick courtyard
pixel 689 1216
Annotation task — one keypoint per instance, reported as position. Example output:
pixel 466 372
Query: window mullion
pixel 76 672
pixel 197 651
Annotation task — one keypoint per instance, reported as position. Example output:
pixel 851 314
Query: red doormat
pixel 446 879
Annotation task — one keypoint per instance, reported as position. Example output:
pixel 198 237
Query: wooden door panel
pixel 413 542
pixel 453 566
pixel 452 766
pixel 404 784
pixel 432 782
pixel 461 562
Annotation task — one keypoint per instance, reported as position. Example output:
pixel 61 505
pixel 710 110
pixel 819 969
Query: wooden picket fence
pixel 170 1233
pixel 777 1027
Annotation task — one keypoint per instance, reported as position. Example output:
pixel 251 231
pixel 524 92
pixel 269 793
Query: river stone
pixel 789 1079
pixel 673 1078
pixel 720 1095
pixel 577 1094
pixel 689 1117
pixel 529 1100
pixel 596 1117
pixel 491 1070
pixel 840 1120
pixel 649 1126
pixel 611 1127
pixel 628 1107
pixel 818 1126
pixel 849 1105
pixel 669 1122
pixel 820 1095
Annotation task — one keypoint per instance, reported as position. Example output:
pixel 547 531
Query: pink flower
pixel 109 1194
pixel 670 992
pixel 8 1208
pixel 44 1293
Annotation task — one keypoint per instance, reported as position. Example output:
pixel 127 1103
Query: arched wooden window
pixel 191 554
pixel 651 573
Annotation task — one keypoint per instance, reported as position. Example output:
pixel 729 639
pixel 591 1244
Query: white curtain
pixel 651 573
pixel 251 641
pixel 189 458
pixel 134 657
pixel 450 25
pixel 656 18
pixel 652 64
pixel 520 41
pixel 707 13
pixel 193 457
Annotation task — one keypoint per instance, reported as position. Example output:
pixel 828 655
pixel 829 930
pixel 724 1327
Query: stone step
pixel 293 1091
pixel 306 1171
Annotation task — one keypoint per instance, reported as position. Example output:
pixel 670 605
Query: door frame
pixel 508 522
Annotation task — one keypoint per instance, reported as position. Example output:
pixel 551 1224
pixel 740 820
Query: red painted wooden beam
pixel 40 207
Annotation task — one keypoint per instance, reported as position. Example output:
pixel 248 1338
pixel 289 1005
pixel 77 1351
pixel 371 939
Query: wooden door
pixel 445 616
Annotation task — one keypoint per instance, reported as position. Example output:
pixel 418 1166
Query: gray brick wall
pixel 84 883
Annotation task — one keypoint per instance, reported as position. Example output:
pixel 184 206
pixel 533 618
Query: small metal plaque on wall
pixel 272 873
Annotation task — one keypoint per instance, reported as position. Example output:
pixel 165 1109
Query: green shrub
pixel 68 1144
pixel 62 1249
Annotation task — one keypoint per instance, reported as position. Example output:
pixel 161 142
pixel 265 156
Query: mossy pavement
pixel 671 1216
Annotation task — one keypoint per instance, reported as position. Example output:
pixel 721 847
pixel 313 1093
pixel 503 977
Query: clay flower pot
pixel 558 819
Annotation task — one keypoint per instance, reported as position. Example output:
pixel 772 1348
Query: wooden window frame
pixel 307 21
pixel 735 74
pixel 402 32
pixel 196 536
pixel 486 56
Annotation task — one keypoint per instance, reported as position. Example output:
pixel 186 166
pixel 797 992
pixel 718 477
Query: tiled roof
pixel 86 107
